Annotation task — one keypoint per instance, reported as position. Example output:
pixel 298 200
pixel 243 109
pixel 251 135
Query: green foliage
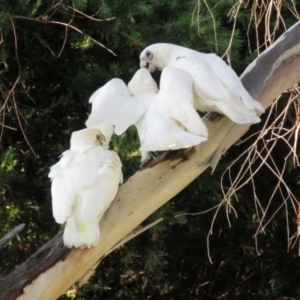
pixel 8 163
pixel 51 61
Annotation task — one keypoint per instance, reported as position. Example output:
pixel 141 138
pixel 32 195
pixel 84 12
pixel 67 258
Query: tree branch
pixel 273 72
pixel 268 76
pixel 9 236
pixel 11 286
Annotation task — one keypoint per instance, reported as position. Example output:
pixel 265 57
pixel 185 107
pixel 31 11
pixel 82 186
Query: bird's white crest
pixel 84 183
pixel 216 85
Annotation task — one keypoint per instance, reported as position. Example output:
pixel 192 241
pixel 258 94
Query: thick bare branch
pixel 271 73
pixel 11 287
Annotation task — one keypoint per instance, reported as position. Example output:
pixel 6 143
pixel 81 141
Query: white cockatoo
pixel 216 86
pixel 171 122
pixel 113 109
pixel 84 183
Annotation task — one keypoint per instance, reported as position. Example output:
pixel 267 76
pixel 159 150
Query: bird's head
pixel 142 83
pixel 155 56
pixel 87 137
pixel 147 59
pixel 100 138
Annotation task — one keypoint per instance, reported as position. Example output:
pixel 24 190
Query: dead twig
pixel 9 236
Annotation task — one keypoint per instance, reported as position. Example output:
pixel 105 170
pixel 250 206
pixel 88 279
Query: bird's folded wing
pixel 228 76
pixel 176 100
pixel 206 81
pixel 98 196
pixel 62 191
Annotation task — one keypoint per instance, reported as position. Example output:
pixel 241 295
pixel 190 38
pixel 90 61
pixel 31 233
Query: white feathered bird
pixel 216 85
pixel 113 109
pixel 171 122
pixel 84 183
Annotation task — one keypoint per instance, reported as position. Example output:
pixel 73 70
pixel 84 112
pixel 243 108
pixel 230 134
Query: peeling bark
pixel 273 72
pixel 11 286
pixel 53 269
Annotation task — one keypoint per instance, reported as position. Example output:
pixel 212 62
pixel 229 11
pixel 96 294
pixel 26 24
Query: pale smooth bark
pixel 268 76
pixel 273 72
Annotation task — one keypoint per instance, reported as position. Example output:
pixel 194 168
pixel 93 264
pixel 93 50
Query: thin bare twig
pixel 10 235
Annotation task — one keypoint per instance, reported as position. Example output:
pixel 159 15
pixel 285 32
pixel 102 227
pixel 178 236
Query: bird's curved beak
pixel 151 68
pixel 145 64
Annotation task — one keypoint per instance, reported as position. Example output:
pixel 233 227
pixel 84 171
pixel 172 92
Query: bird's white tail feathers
pixel 250 103
pixel 154 141
pixel 81 234
pixel 236 115
pixel 195 124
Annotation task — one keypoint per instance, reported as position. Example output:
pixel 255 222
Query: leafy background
pixel 54 55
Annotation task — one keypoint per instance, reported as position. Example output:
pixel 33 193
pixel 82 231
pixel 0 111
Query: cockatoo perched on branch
pixel 216 86
pixel 171 122
pixel 84 183
pixel 165 118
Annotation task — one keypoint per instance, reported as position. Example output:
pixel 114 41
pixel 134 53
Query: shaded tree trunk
pixel 51 270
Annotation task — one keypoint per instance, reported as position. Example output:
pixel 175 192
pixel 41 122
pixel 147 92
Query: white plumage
pixel 171 121
pixel 113 109
pixel 216 86
pixel 84 183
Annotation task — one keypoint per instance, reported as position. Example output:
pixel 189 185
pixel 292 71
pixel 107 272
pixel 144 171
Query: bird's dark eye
pixel 98 138
pixel 149 55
